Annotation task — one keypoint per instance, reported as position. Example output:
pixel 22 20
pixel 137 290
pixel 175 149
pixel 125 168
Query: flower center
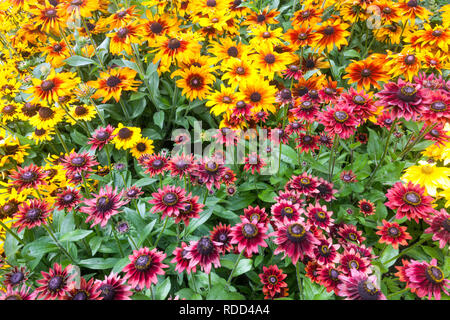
pixel 324 250
pixel 366 207
pixel 141 147
pixel 273 279
pixel 108 292
pixel 14 297
pixel 16 278
pixel 157 164
pixel 387 10
pixel 302 36
pixel 307 139
pixel 9 109
pixel 227 99
pixel 249 231
pixel 353 264
pixel 358 99
pixel 334 274
pixel 340 116
pixel 328 30
pixel 174 44
pixel 260 18
pixel 80 110
pixel 125 133
pixel 321 216
pixel 410 59
pixel 28 176
pixel 232 51
pixel 102 135
pixel 104 204
pixel 211 166
pixel 47 85
pixel 55 283
pixel 80 295
pixel 407 93
pixel 50 13
pixel 287 212
pixel 269 58
pixel 205 246
pixel 170 199
pixel 240 70
pixel 196 82
pixel 438 106
pixel 78 161
pixel 306 105
pixel 412 3
pixel 113 81
pixel 296 232
pixel 211 3
pixel 437 33
pixel 122 33
pixel 446 224
pixel 434 274
pixel 412 198
pixel 156 27
pixel 367 290
pixel 68 198
pixel 255 97
pixel 222 237
pixel 352 236
pixel 142 263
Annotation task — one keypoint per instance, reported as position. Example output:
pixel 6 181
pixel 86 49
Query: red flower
pixel 155 164
pixel 192 209
pixel 437 107
pixel 349 233
pixel 366 207
pixel 307 142
pixel 28 177
pixel 229 177
pixel 18 293
pixel 145 265
pixel 391 233
pixel 351 259
pixel 133 193
pixel 319 216
pixel 437 134
pixel 410 201
pixel 31 214
pixel 329 278
pixel 210 172
pixel 326 252
pixel 291 196
pixel 439 227
pixel 326 191
pixel 339 120
pixel 286 209
pixel 114 288
pixel 68 199
pixel 359 286
pixel 249 235
pixel 15 277
pixel 103 206
pixel 181 262
pixel 256 214
pixel 170 201
pixel 55 283
pixel 427 279
pixel 203 252
pixel 385 120
pixel 304 184
pixel 181 165
pixel 295 240
pixel 272 280
pixel 360 103
pixel 305 110
pixel 101 137
pixel 312 271
pixel 87 290
pixel 348 176
pixel 78 162
pixel 254 163
pixel 221 235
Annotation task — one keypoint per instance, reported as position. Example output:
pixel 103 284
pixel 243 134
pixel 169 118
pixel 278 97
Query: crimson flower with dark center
pixel 211 172
pixel 191 210
pixel 349 233
pixel 305 110
pixel 279 135
pixel 256 214
pixel 326 191
pixel 329 278
pixel 410 201
pixel 292 196
pixel 169 200
pixel 351 259
pixel 284 97
pixel 133 192
pixel 404 99
pixel 438 134
pixel 86 290
pixel 325 140
pixel 295 127
pixel 15 277
pixel 205 253
pixel 272 280
pixel 365 252
pixel 78 162
pixel 348 176
pixel 360 103
pixel 181 165
pixel 68 199
pixel 427 279
pixel 180 260
pixel 326 252
pixel 362 137
pixel 294 240
pixel 312 271
pixel 101 137
pixel 225 136
pixel 366 207
pixel 55 282
pixel 359 286
pixel 439 227
pixel 155 164
pixel 221 235
pixel 31 214
pixel 393 234
pixel 437 107
pixel 307 142
pixel 249 236
pixel 385 120
pixel 229 177
pixel 103 206
pixel 339 120
pixel 144 267
pixel 319 216
pixel 28 177
pixel 22 293
pixel 254 163
pixel 305 184
pixel 114 288
pixel 286 209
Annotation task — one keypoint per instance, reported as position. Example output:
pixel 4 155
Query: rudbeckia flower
pixel 429 176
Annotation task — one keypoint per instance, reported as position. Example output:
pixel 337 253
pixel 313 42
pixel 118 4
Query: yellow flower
pixel 446 194
pixel 81 113
pixel 143 146
pixel 126 137
pixel 428 176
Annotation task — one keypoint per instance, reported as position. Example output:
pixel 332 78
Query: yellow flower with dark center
pixel 388 11
pixel 314 61
pixel 112 82
pixel 124 38
pixel 432 38
pixel 269 62
pixel 259 93
pixel 300 36
pixel 56 53
pixel 330 34
pixel 54 86
pixel 407 63
pixel 13 150
pixel 47 117
pixel 121 17
pixel 264 35
pixel 42 135
pixel 49 18
pixel 81 112
pixel 265 16
pixel 390 33
pixel 429 176
pixel 436 61
pixel 227 50
pixel 223 100
pixel 410 10
pixel 83 8
pixel 142 147
pixel 237 71
pixel 126 137
pixel 310 15
pixel 196 82
pixel 156 26
pixel 366 73
pixel 10 111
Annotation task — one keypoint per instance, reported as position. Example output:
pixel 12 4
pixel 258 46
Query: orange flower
pixel 366 73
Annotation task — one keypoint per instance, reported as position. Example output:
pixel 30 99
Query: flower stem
pixel 331 162
pixel 125 111
pixel 418 243
pixel 234 268
pixel 50 232
pixel 61 140
pixel 11 232
pixel 299 280
pixel 118 242
pixel 161 232
pixel 397 293
pixel 419 138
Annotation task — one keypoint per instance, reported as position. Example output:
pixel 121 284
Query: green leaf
pixel 243 266
pixel 219 292
pixel 120 264
pixel 163 289
pixel 75 235
pixel 77 61
pixel 158 118
pixel 39 247
pixel 95 244
pixel 267 195
pixel 388 254
pixel 204 216
pixel 99 263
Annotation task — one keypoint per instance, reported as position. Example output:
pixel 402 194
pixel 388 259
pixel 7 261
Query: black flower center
pixel 143 262
pixel 80 295
pixel 113 81
pixel 50 13
pixel 16 277
pixel 446 224
pixel 286 94
pixel 269 58
pixel 222 237
pixel 328 30
pixel 141 147
pixel 410 59
pixel 14 297
pixel 352 236
pixel 125 133
pixel 437 33
pixel 366 72
pixel 353 264
pixel 321 216
pixel 102 135
pixel 80 111
pixel 170 199
pixel 122 33
pixel 227 99
pixel 55 283
pixel 393 232
pixel 104 204
pixel 366 207
pixel 156 27
pixel 296 232
pixel 341 116
pixel 232 51
pixel 174 44
pixel 157 164
pixel 205 246
pixel 28 176
pixel 196 82
pixel 324 250
pixel 306 105
pixel 266 35
pixel 302 36
pixel 47 85
pixel 412 3
pixel 260 18
pixel 334 274
pixel 387 10
pixel 68 198
pixel 412 198
pixel 367 290
pixel 249 230
pixel 307 139
pixel 9 109
pixel 108 292
pixel 57 47
pixel 273 279
pixel 211 3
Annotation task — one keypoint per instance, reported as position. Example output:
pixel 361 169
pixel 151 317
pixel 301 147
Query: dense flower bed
pixel 224 149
